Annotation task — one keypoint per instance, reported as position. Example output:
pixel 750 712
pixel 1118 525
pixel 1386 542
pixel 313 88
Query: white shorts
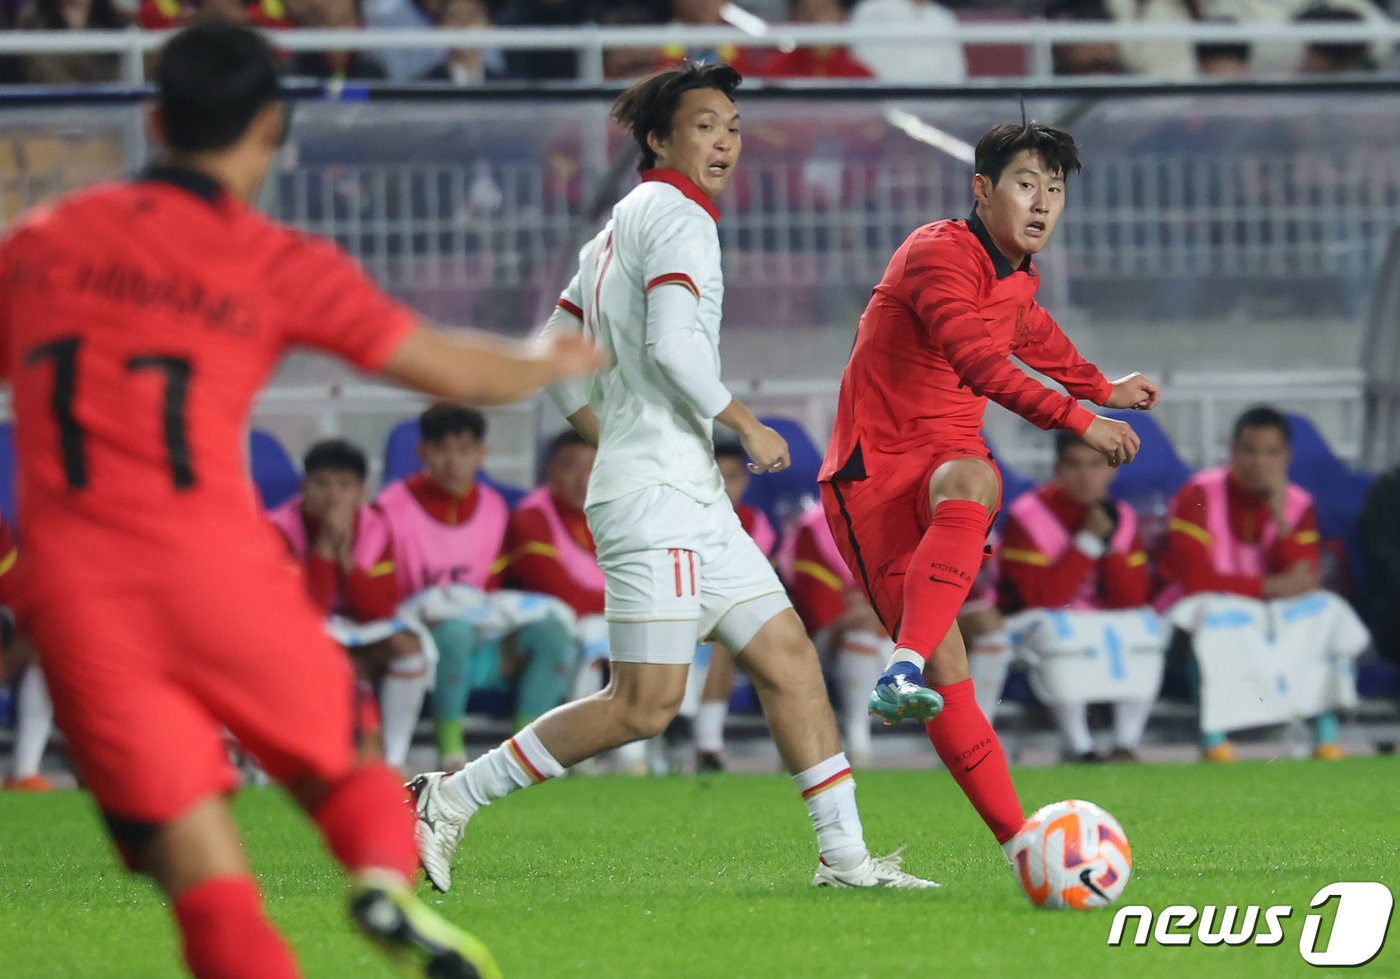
pixel 680 572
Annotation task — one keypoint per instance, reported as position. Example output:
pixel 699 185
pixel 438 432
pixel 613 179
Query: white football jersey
pixel 661 234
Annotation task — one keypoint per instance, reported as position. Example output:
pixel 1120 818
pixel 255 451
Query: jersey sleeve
pixel 1126 579
pixel 329 303
pixel 9 557
pixel 568 396
pixel 679 248
pixel 942 288
pixel 1046 348
pixel 1304 543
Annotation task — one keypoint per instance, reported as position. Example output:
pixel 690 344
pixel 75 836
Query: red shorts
pixel 878 521
pixel 145 678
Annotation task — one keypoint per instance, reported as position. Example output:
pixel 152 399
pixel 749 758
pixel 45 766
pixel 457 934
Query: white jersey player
pixel 679 567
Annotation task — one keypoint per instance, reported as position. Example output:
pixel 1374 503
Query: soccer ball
pixel 1071 855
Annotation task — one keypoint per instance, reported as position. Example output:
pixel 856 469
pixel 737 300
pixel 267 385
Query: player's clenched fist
pixel 767 449
pixel 1118 443
pixel 1133 391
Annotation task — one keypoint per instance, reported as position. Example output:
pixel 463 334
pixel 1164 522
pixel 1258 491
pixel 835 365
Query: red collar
pixel 685 185
pixel 441 505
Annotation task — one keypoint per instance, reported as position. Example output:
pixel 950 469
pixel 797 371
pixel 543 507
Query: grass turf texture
pixel 683 877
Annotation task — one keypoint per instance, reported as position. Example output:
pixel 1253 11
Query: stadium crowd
pixel 892 63
pixel 454 595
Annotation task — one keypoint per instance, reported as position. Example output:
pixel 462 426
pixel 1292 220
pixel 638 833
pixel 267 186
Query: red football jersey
pixel 934 343
pixel 138 321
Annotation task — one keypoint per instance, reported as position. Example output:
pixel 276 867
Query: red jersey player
pixel 908 485
pixel 138 321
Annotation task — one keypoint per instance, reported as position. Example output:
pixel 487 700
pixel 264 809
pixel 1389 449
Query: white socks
pixel 829 790
pixel 400 701
pixel 33 725
pixel 1129 721
pixel 857 669
pixel 1073 719
pixel 989 659
pixel 709 726
pixel 903 654
pixel 516 764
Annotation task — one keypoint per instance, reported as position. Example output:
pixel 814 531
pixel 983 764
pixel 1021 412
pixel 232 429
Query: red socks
pixel 941 573
pixel 227 936
pixel 367 822
pixel 971 750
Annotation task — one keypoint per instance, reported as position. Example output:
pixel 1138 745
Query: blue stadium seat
pixel 1338 491
pixel 401 459
pixel 1157 473
pixel 7 472
pixel 274 473
pixel 786 494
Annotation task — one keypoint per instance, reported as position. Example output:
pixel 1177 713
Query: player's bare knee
pixel 404 644
pixel 776 656
pixel 964 479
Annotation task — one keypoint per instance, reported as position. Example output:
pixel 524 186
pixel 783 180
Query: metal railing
pixel 591 41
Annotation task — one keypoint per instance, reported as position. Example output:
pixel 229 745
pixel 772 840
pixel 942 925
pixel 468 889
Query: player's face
pixel 736 478
pixel 331 490
pixel 451 463
pixel 1022 208
pixel 1084 475
pixel 568 473
pixel 1259 459
pixel 705 140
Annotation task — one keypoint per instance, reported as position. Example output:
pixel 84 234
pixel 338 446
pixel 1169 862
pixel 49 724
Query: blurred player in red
pixel 908 485
pixel 139 320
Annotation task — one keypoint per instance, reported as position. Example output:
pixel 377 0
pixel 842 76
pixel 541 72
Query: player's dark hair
pixel 444 420
pixel 650 105
pixel 566 439
pixel 1003 141
pixel 1262 416
pixel 1064 441
pixel 212 80
pixel 730 449
pixel 337 455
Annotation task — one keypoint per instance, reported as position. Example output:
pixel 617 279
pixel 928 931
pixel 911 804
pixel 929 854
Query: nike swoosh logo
pixel 941 581
pixel 1084 879
pixel 976 763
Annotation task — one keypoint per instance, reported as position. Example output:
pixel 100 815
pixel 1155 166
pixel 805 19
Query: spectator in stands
pixel 719 678
pixel 343 15
pixel 922 62
pixel 621 63
pixel 406 64
pixel 543 65
pixel 465 66
pixel 1068 546
pixel 65 69
pixel 33 710
pixel 1380 546
pixel 347 554
pixel 823 62
pixel 1084 57
pixel 1245 530
pixel 1347 57
pixel 449 530
pixel 160 15
pixel 1222 60
pixel 1162 59
pixel 708 13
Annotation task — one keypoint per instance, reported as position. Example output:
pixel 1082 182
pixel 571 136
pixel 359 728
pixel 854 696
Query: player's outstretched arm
pixel 466 365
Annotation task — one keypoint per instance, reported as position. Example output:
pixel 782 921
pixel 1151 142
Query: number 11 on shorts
pixel 676 553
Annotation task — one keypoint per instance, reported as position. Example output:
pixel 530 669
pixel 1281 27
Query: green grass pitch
pixel 675 877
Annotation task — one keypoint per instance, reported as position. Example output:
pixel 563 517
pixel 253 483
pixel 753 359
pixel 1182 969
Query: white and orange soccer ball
pixel 1071 855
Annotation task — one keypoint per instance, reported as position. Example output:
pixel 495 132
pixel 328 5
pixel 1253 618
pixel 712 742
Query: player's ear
pixel 981 188
pixel 656 144
pixel 271 123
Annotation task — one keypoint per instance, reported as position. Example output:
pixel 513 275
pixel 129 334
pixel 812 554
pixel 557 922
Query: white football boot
pixel 872 872
pixel 437 829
